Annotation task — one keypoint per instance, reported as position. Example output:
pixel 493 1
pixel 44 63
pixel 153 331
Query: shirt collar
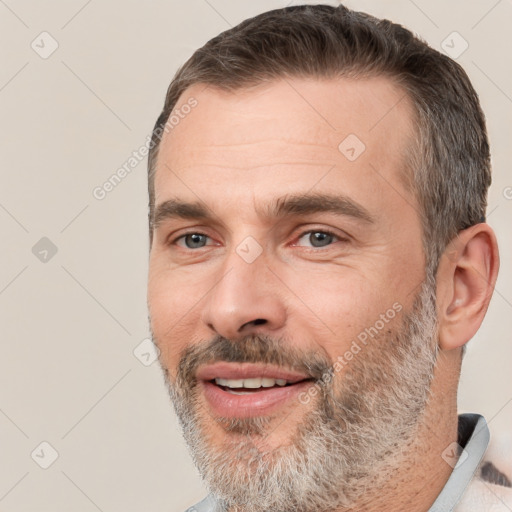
pixel 472 442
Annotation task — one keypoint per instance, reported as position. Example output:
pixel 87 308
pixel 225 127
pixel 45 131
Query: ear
pixel 465 280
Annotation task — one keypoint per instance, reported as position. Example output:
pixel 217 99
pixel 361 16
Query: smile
pixel 244 390
pixel 244 386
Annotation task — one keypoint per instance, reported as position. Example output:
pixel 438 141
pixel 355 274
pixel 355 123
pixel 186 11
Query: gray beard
pixel 351 441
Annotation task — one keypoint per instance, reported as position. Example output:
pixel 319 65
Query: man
pixel 319 258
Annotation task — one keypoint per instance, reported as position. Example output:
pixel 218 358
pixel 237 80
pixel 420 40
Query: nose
pixel 245 300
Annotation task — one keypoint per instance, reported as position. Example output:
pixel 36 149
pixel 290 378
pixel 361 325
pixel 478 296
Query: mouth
pixel 249 386
pixel 244 390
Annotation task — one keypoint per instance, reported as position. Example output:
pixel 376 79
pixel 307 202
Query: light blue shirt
pixel 473 439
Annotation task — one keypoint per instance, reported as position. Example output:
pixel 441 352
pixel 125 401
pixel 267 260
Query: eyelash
pixel 307 232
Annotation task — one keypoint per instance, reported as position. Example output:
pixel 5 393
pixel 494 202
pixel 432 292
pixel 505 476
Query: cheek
pixel 342 307
pixel 173 313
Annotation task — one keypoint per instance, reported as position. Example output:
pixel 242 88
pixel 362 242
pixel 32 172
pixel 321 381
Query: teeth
pixel 230 383
pixel 267 383
pixel 254 383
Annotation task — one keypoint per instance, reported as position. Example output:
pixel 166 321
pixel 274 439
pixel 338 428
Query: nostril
pixel 259 321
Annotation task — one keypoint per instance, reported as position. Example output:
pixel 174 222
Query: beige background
pixel 70 325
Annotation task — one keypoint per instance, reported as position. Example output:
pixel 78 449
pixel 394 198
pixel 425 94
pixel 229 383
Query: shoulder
pixel 482 496
pixel 490 489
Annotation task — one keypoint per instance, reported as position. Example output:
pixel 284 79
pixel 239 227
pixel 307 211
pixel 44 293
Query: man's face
pixel 299 253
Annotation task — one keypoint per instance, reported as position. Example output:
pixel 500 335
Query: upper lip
pixel 225 370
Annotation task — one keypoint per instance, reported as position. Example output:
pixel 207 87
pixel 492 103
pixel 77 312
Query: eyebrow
pixel 300 205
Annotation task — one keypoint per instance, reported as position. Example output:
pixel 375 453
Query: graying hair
pixel 449 154
pixel 351 442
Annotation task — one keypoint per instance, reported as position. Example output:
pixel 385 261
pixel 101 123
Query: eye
pixel 317 239
pixel 192 240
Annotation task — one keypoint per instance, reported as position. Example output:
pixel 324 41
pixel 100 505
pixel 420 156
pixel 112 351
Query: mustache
pixel 259 349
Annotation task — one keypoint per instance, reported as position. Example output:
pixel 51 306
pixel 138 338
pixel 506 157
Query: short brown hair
pixel 450 158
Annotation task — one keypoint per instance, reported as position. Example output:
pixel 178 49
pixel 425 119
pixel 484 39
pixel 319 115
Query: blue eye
pixel 318 238
pixel 313 238
pixel 193 240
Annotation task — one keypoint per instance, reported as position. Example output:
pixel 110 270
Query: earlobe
pixel 465 279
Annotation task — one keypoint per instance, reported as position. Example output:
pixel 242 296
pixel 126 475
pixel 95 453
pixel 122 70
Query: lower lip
pixel 255 403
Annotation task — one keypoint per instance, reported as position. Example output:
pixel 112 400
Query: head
pixel 317 183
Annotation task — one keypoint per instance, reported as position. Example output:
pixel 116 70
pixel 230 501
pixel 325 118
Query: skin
pixel 235 153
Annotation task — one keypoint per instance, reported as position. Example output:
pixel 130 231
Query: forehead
pixel 274 135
